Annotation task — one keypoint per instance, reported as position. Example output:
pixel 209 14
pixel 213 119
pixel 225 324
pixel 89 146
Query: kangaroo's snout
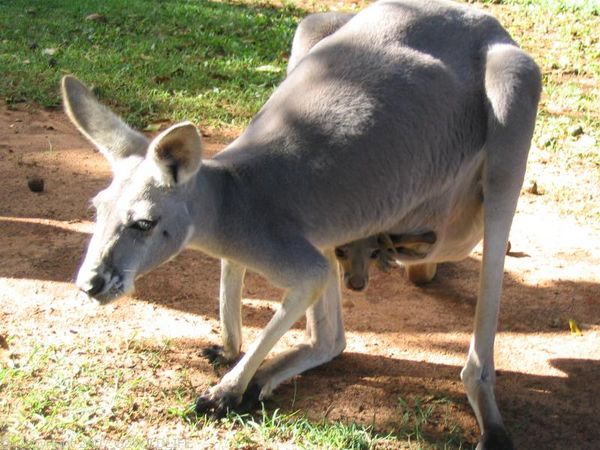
pixel 93 286
pixel 101 286
pixel 357 283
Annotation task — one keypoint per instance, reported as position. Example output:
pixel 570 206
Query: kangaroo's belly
pixel 455 216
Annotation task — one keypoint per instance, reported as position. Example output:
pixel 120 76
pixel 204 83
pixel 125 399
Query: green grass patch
pixel 423 418
pixel 564 38
pixel 212 62
pixel 123 392
pixel 272 429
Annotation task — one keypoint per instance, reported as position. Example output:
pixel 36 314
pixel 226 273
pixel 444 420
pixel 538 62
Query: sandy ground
pixel 403 341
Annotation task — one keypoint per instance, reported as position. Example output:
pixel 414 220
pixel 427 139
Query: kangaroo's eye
pixel 375 254
pixel 340 253
pixel 143 225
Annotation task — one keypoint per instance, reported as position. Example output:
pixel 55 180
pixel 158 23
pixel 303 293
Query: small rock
pixel 49 51
pixel 35 183
pixel 3 342
pixel 533 188
pixel 5 360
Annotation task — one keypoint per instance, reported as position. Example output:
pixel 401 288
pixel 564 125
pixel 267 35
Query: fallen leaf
pixel 152 127
pixel 95 17
pixel 575 330
pixel 268 68
pixel 161 78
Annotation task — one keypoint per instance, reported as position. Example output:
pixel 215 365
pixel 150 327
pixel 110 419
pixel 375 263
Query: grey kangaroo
pixel 411 116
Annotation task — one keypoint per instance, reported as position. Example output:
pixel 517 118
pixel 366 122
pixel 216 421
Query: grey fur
pixel 399 120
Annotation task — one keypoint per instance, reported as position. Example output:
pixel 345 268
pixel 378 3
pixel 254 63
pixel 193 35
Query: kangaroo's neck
pixel 204 200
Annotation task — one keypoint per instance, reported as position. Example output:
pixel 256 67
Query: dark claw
pixel 203 405
pixel 215 409
pixel 219 408
pixel 214 354
pixel 496 438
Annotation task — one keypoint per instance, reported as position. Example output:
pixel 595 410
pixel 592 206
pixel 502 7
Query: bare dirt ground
pixel 403 341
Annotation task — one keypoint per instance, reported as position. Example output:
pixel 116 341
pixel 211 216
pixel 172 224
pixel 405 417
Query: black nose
pixel 357 283
pixel 96 285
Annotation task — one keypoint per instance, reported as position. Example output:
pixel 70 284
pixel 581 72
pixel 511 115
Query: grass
pixel 212 62
pixel 272 428
pixel 564 38
pixel 94 394
pixel 420 417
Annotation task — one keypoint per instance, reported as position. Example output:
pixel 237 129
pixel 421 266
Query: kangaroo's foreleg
pixel 230 313
pixel 513 85
pixel 307 273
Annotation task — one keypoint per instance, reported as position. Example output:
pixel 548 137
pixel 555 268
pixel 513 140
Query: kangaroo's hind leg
pixel 513 85
pixel 307 276
pixel 324 338
pixel 312 29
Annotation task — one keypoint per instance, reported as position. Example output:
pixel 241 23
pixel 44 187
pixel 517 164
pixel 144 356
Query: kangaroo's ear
pixel 177 151
pixel 98 124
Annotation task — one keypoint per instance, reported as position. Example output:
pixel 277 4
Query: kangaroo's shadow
pixel 564 407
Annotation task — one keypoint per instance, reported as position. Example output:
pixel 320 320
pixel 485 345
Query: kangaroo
pixel 387 250
pixel 355 258
pixel 405 118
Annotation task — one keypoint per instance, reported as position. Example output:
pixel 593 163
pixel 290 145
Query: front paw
pixel 217 355
pixel 217 404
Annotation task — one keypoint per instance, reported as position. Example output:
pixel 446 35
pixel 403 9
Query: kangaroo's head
pixel 142 218
pixel 356 257
pixel 355 260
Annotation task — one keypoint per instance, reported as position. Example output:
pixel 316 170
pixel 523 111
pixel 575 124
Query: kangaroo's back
pixel 396 91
